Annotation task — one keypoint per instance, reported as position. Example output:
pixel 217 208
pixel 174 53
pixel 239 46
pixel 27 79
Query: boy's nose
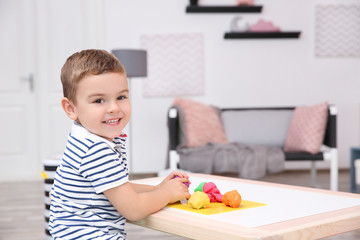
pixel 114 107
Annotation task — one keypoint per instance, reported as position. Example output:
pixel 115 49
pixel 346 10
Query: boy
pixel 92 197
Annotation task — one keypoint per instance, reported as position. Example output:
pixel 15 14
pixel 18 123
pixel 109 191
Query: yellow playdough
pixel 199 200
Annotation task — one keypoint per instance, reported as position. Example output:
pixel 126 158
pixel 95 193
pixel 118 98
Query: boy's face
pixel 103 105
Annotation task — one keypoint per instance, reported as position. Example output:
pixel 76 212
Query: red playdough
pixel 213 192
pixel 232 199
pixel 186 183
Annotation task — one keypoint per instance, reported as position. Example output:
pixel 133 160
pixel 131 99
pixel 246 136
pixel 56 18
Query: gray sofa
pixel 266 126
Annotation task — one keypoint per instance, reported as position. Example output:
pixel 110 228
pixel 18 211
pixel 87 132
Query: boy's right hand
pixel 176 189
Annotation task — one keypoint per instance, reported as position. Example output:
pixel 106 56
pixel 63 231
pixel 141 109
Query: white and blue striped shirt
pixel 90 165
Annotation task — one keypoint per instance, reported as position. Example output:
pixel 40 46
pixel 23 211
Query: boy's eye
pixel 121 97
pixel 99 100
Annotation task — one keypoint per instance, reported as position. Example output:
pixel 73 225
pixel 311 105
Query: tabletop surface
pixel 282 212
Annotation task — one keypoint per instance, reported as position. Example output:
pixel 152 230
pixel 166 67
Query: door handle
pixel 29 79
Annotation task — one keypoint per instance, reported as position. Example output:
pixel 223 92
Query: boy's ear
pixel 69 109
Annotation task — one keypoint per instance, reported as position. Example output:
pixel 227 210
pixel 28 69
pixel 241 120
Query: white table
pixel 291 212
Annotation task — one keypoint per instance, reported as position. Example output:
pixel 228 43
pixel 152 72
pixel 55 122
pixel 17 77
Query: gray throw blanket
pixel 251 162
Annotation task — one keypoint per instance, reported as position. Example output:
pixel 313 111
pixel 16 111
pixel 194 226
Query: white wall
pixel 238 72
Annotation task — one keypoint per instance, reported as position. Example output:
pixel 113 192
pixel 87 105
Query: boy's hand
pixel 180 175
pixel 176 189
pixel 141 201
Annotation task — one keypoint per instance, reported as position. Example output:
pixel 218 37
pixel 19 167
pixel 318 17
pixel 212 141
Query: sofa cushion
pixel 202 123
pixel 307 129
pixel 257 126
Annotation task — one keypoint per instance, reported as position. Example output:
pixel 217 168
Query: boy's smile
pixel 112 121
pixel 102 104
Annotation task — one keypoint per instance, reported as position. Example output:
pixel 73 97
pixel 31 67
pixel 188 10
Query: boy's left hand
pixel 173 175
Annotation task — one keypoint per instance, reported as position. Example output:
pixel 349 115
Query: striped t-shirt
pixel 90 165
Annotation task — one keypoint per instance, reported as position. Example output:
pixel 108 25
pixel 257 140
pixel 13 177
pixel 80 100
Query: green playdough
pixel 200 187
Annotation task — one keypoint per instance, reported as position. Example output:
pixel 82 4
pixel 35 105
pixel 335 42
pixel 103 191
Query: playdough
pixel 211 190
pixel 200 187
pixel 186 183
pixel 232 199
pixel 199 200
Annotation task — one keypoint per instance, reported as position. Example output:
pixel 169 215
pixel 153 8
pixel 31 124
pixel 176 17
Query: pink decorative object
pixel 307 129
pixel 244 2
pixel 264 26
pixel 202 123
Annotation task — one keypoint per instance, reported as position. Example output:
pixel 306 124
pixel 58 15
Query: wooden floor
pixel 22 207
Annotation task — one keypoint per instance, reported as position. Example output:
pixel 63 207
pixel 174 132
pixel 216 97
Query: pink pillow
pixel 202 123
pixel 307 129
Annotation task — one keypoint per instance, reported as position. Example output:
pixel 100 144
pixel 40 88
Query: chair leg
pixel 334 173
pixel 332 156
pixel 174 160
pixel 313 174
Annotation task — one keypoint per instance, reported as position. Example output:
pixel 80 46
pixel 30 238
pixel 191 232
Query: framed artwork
pixel 175 64
pixel 337 30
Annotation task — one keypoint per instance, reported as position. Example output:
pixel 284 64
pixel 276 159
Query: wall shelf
pixel 224 9
pixel 261 35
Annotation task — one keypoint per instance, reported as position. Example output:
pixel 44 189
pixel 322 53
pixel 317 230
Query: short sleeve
pixel 102 168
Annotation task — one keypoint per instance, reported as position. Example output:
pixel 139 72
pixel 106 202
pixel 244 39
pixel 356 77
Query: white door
pixel 36 37
pixel 18 126
pixel 63 27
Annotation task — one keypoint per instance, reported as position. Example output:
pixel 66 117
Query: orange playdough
pixel 232 199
